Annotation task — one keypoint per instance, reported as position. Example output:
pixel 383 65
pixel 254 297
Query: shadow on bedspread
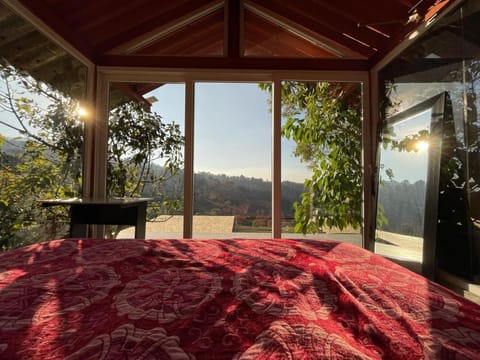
pixel 223 299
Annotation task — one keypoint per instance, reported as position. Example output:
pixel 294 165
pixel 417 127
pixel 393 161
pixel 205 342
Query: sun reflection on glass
pixel 421 145
pixel 82 112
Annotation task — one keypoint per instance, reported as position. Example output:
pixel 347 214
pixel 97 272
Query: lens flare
pixel 421 145
pixel 82 112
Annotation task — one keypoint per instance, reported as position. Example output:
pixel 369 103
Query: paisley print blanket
pixel 224 299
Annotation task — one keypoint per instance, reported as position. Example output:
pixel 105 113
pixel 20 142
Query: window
pixel 41 134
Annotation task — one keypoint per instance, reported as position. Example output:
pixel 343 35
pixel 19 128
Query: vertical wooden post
pixel 233 34
pixel 277 159
pixel 188 165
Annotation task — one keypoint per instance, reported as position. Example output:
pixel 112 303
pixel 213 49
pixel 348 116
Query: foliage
pixel 324 119
pixel 137 137
pixel 34 176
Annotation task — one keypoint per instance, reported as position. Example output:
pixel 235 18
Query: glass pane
pixel 446 59
pixel 41 132
pixel 145 154
pixel 232 164
pixel 321 160
pixel 402 187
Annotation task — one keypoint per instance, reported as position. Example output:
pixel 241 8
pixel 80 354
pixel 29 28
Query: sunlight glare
pixel 421 145
pixel 82 112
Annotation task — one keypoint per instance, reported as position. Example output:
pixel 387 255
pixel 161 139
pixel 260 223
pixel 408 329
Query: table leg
pixel 140 227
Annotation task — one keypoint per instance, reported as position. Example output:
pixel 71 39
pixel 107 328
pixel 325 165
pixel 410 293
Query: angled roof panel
pixel 120 31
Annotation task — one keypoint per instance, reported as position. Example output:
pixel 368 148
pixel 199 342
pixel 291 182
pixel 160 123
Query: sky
pixel 232 133
pixel 411 166
pixel 232 129
pixel 233 126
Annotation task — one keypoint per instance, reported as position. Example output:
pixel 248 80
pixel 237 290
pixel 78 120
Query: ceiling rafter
pixel 427 12
pixel 233 28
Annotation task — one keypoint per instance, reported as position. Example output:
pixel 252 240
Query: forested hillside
pixel 233 195
pixel 404 206
pixel 403 203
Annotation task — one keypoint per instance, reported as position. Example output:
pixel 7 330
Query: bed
pixel 224 299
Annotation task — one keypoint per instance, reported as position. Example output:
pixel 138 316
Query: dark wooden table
pixel 113 211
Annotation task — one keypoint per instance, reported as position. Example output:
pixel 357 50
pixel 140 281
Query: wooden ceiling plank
pixel 402 37
pixel 177 43
pixel 146 39
pixel 182 46
pixel 170 17
pixel 275 41
pixel 70 6
pixel 96 15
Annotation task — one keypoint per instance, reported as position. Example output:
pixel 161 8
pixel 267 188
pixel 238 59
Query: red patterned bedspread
pixel 224 299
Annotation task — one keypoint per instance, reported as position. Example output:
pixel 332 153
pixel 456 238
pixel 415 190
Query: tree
pixel 49 160
pixel 325 121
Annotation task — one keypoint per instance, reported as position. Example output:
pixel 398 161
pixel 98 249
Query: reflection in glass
pixel 446 58
pixel 403 175
pixel 409 184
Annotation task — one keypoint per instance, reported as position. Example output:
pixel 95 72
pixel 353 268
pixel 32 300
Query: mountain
pixel 10 151
pixel 232 195
pixel 404 206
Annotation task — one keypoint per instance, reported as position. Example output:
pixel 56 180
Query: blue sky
pixel 411 166
pixel 233 128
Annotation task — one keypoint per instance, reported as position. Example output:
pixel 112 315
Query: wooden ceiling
pixel 271 34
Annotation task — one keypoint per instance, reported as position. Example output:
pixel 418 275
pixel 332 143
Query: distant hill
pixel 251 197
pixel 232 195
pixel 10 151
pixel 404 206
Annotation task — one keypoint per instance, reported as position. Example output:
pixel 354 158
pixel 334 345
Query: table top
pixel 108 201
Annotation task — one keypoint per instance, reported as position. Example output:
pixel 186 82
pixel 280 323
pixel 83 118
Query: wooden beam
pixel 240 63
pixel 277 159
pixel 127 89
pixel 233 28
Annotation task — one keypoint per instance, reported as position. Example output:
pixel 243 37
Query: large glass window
pixel 446 59
pixel 232 161
pixel 145 153
pixel 321 160
pixel 41 132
